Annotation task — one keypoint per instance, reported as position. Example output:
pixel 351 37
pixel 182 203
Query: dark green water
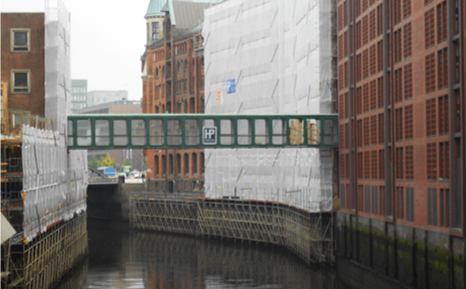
pixel 119 258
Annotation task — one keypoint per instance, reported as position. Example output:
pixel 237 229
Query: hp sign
pixel 209 136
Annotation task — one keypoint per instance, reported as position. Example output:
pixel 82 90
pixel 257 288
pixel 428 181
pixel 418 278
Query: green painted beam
pixel 115 131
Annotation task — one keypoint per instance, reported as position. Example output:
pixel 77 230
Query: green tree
pixel 107 161
pixel 126 162
pixel 93 162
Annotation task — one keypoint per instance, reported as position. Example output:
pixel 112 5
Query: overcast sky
pixel 107 40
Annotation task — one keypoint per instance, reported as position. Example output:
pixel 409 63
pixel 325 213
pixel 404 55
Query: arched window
pixel 194 164
pixel 171 164
pixel 201 161
pixel 185 66
pixel 186 165
pixel 163 71
pixel 156 165
pixel 157 73
pixel 178 164
pixel 179 67
pixel 164 165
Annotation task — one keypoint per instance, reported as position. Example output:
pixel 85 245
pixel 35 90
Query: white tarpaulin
pixel 278 55
pixel 54 180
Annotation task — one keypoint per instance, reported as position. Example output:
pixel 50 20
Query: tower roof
pixel 155 7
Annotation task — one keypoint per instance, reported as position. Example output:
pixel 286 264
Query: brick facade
pixel 31 60
pixel 174 84
pixel 401 108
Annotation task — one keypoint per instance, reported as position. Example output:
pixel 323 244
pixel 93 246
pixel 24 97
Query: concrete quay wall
pixel 413 257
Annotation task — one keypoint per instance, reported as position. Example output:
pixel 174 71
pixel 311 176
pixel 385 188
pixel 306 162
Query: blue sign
pixel 231 86
pixel 209 136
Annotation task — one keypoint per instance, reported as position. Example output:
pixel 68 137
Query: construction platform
pixel 308 235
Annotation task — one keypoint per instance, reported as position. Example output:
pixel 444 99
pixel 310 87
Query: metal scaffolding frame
pixel 42 262
pixel 308 235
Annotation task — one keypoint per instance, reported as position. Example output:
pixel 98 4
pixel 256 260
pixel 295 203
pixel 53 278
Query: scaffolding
pixel 42 262
pixel 308 235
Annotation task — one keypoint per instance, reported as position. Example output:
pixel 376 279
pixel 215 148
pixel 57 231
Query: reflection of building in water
pixel 182 262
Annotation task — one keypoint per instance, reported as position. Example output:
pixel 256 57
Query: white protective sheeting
pixel 279 54
pixel 54 180
pixel 57 64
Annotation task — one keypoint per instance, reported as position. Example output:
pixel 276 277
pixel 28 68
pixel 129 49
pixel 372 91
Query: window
pixel 367 199
pixel 431 116
pixel 409 134
pixel 430 72
pixel 156 163
pixel 444 207
pixel 374 165
pixel 381 164
pixel 442 27
pixel 443 115
pixel 178 164
pixel 397 11
pixel 400 202
pixel 381 128
pixel 374 130
pixel 155 30
pixel 19 40
pixel 367 165
pixel 432 206
pixel 409 162
pixel 410 204
pixel 407 40
pixel 408 81
pixel 194 164
pixel 442 68
pixel 406 8
pixel 429 24
pixel 366 131
pixel 444 158
pixel 398 85
pixel 432 161
pixel 399 124
pixel 202 163
pixel 399 164
pixel 20 80
pixel 186 165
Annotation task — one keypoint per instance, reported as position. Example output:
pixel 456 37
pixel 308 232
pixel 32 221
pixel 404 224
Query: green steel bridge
pixel 184 131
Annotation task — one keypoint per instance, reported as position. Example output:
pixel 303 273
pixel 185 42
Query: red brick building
pixel 402 121
pixel 23 63
pixel 173 82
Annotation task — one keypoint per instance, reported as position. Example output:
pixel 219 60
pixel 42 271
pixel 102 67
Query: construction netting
pixel 54 180
pixel 57 63
pixel 267 57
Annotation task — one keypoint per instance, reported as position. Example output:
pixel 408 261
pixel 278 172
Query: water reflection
pixel 130 259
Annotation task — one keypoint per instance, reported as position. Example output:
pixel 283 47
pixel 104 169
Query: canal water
pixel 120 258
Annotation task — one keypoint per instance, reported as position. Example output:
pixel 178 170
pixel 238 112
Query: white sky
pixel 107 40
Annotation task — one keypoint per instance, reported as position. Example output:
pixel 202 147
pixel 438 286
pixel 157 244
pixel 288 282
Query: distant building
pixel 78 94
pixel 117 107
pixel 97 97
pixel 173 82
